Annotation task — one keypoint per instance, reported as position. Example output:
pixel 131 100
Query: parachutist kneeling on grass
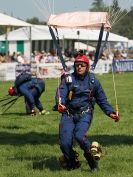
pixel 31 89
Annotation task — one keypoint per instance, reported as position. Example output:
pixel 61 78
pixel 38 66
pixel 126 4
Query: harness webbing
pixel 104 44
pixel 98 48
pixel 58 48
pixel 91 85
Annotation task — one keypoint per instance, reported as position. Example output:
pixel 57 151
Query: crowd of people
pixel 51 56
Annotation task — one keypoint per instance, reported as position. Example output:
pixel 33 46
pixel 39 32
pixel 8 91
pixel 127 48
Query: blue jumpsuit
pixel 76 121
pixel 32 90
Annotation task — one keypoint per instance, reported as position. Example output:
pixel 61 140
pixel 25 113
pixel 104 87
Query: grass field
pixel 29 145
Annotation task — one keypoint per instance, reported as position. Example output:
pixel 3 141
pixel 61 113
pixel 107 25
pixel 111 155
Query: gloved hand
pixel 114 116
pixel 61 108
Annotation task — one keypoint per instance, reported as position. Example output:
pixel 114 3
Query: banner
pixel 123 65
pixel 51 70
pixel 9 71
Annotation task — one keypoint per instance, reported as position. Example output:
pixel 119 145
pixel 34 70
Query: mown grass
pixel 29 145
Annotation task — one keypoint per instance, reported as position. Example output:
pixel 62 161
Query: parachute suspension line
pixel 5 106
pixel 123 14
pixel 46 5
pixel 116 100
pixel 12 103
pixel 49 7
pixel 53 7
pixel 58 91
pixel 116 14
pixel 41 6
pixel 114 11
pixel 7 97
pixel 114 86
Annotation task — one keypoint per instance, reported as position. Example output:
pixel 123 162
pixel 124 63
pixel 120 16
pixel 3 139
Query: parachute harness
pixel 99 50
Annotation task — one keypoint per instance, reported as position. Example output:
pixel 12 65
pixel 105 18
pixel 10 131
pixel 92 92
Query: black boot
pixel 75 161
pixel 63 162
pixel 92 163
pixel 70 164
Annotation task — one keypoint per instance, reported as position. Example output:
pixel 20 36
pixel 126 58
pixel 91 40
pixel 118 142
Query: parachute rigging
pixel 7 102
pixel 45 7
pixel 115 9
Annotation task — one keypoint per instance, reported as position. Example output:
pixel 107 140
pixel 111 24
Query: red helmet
pixel 82 58
pixel 11 91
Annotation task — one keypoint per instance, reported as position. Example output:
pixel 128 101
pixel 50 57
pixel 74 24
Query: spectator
pixel 20 58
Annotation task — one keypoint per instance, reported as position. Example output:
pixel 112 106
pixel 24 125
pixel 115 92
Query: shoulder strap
pixel 92 88
pixel 91 80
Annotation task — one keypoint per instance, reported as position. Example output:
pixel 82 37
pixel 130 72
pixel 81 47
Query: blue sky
pixel 41 8
pixel 29 8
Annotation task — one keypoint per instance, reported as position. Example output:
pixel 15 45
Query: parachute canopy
pixel 80 20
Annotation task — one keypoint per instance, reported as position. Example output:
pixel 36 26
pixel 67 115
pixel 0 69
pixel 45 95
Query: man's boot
pixel 63 162
pixel 75 162
pixel 70 164
pixel 91 162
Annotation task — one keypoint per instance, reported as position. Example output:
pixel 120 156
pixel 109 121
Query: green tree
pixel 36 21
pixel 97 6
pixel 116 5
pixel 125 26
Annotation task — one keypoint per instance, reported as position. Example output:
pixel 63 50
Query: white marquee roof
pixel 41 32
pixel 6 20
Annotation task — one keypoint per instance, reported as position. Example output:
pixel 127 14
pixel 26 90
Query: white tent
pixel 83 46
pixel 6 20
pixel 38 32
pixel 41 32
pixel 130 43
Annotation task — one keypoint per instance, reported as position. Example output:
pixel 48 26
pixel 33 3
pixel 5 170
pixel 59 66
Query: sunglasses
pixel 81 64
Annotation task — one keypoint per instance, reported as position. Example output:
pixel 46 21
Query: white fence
pixel 46 70
pixel 7 71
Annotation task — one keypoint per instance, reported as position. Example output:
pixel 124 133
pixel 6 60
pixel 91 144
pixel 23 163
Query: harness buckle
pixel 72 113
pixel 85 111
